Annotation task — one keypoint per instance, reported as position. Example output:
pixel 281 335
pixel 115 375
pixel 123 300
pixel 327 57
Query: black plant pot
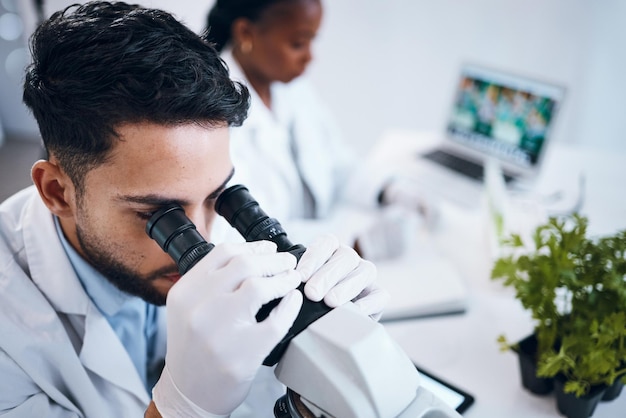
pixel 527 355
pixel 576 407
pixel 613 391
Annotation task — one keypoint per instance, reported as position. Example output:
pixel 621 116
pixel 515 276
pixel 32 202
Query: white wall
pixel 603 107
pixel 14 118
pixel 395 66
pixel 401 59
pixel 384 64
pixel 393 63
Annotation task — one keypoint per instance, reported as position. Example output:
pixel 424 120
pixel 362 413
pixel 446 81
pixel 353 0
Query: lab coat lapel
pixel 264 135
pixel 50 269
pixel 316 168
pixel 104 354
pixel 101 352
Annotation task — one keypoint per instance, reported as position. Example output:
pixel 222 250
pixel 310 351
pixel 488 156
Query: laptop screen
pixel 503 115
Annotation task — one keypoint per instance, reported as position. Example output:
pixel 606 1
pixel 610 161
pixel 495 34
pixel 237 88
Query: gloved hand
pixel 214 343
pixel 335 272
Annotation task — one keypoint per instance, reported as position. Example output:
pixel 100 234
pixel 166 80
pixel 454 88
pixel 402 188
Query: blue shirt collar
pixel 107 298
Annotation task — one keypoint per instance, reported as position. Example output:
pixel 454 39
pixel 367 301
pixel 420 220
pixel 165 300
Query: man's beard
pixel 121 276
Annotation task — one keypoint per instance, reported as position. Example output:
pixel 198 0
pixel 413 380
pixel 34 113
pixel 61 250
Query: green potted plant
pixel 575 289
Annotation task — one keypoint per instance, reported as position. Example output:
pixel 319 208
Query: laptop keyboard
pixel 468 168
pixel 460 165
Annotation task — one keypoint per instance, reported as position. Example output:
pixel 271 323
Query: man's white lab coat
pixel 59 357
pixel 58 354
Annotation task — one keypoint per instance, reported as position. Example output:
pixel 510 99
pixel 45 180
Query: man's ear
pixel 55 188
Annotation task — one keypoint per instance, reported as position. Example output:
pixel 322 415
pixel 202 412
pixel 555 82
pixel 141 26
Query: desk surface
pixel 462 348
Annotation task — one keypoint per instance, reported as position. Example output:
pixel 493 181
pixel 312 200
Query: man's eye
pixel 144 215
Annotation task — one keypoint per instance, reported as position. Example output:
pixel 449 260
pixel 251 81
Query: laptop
pixel 495 115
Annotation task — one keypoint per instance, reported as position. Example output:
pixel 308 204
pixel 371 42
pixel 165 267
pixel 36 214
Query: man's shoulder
pixel 13 221
pixel 13 210
pixel 14 203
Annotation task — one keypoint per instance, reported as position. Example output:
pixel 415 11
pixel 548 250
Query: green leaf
pixel 505 345
pixel 553 363
pixel 577 387
pixel 504 267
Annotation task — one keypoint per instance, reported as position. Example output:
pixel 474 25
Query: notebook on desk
pixel 494 115
pixel 424 287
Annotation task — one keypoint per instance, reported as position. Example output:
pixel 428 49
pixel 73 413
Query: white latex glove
pixel 215 346
pixel 335 272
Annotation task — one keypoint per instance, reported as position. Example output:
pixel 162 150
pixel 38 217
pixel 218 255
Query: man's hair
pixel 102 64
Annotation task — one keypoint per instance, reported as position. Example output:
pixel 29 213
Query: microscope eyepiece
pixel 244 214
pixel 177 236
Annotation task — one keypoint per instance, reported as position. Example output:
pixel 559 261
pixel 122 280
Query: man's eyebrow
pixel 158 200
pixel 222 186
pixel 154 200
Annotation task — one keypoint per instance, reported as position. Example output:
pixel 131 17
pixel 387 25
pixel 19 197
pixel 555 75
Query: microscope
pixel 335 363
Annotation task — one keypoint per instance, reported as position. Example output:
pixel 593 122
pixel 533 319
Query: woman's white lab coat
pixel 278 153
pixel 58 355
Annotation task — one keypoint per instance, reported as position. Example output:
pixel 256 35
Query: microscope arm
pixel 347 366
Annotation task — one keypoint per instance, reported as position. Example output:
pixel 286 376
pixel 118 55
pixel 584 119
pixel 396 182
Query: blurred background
pixel 393 64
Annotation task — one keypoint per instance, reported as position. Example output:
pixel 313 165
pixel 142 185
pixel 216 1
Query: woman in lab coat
pixel 291 138
pixel 289 135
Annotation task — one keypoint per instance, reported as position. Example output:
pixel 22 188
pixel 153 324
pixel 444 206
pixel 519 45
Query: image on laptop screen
pixel 503 115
